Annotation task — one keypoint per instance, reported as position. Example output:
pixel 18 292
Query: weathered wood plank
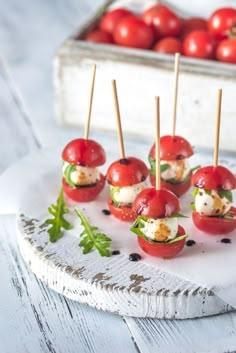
pixel 40 320
pixel 207 335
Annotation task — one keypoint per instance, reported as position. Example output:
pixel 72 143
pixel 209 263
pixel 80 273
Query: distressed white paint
pixel 60 325
pixel 140 76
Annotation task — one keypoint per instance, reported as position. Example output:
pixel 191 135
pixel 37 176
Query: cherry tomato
pixel 214 178
pixel 125 214
pixel 127 172
pixel 172 148
pixel 163 250
pixel 178 188
pixel 154 203
pixel 192 24
pixel 99 36
pixel 221 21
pixel 199 44
pixel 84 194
pixel 84 152
pixel 168 45
pixel 226 51
pixel 214 225
pixel 164 21
pixel 111 18
pixel 131 31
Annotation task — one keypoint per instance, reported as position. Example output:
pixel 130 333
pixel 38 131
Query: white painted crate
pixel 140 76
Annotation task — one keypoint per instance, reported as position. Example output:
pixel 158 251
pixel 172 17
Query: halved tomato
pixel 172 148
pixel 125 214
pixel 154 203
pixel 163 250
pixel 178 188
pixel 215 225
pixel 127 172
pixel 214 178
pixel 85 193
pixel 84 152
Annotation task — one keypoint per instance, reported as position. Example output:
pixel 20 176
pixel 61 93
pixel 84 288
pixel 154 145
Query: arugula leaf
pixel 137 226
pixel 192 206
pixel 92 239
pixel 195 168
pixel 208 192
pixel 58 222
pixel 67 174
pixel 178 215
pixel 225 193
pixel 163 167
pixel 195 192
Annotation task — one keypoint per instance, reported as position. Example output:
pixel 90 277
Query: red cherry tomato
pixel 199 44
pixel 127 172
pixel 99 36
pixel 178 188
pixel 84 194
pixel 168 45
pixel 111 18
pixel 214 178
pixel 192 24
pixel 226 51
pixel 84 152
pixel 221 21
pixel 214 225
pixel 131 31
pixel 125 214
pixel 172 148
pixel 154 203
pixel 164 21
pixel 163 250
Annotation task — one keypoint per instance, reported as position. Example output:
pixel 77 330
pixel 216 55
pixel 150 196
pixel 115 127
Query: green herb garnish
pixel 225 193
pixel 58 222
pixel 91 239
pixel 195 168
pixel 152 170
pixel 70 168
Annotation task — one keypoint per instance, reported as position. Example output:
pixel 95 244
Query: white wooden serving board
pixel 115 284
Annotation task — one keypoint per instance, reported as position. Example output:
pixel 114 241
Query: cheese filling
pixel 176 170
pixel 127 194
pixel 210 203
pixel 80 175
pixel 162 229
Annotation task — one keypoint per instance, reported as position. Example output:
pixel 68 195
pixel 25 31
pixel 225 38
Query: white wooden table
pixel 33 318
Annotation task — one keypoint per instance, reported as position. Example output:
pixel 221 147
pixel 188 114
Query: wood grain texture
pixel 40 320
pixel 114 284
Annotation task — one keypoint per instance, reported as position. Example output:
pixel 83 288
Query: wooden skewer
pixel 217 132
pixel 118 119
pixel 158 171
pixel 176 83
pixel 87 126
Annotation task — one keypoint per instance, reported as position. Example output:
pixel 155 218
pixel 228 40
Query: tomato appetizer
pixel 127 178
pixel 175 169
pixel 213 212
pixel 160 29
pixel 82 180
pixel 156 224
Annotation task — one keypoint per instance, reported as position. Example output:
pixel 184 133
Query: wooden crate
pixel 140 76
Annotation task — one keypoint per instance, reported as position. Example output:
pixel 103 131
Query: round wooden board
pixel 114 284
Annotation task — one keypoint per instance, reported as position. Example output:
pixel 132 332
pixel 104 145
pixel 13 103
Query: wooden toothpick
pixel 87 126
pixel 176 83
pixel 158 172
pixel 217 131
pixel 118 119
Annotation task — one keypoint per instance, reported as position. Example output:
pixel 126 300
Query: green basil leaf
pixel 225 193
pixel 67 174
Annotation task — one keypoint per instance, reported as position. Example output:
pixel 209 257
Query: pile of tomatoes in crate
pixel 160 29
